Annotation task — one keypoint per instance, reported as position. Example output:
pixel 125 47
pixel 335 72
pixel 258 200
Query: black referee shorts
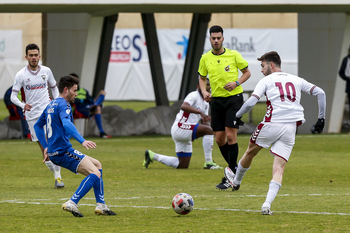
pixel 223 111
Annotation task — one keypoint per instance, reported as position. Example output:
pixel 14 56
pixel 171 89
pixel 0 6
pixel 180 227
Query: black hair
pixel 32 47
pixel 67 81
pixel 271 57
pixel 74 75
pixel 216 28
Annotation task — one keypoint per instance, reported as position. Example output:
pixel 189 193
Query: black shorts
pixel 223 111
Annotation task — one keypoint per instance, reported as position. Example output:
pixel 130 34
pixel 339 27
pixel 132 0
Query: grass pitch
pixel 314 196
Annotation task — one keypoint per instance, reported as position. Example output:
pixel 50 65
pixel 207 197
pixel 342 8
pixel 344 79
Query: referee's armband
pixel 237 83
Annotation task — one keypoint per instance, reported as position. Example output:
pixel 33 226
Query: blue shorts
pixel 69 159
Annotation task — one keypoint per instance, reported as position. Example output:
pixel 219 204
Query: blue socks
pixel 99 100
pixel 99 190
pixel 84 187
pixel 98 120
pixel 91 181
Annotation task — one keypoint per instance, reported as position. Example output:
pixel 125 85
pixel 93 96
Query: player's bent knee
pixel 209 130
pixel 98 165
pixel 97 173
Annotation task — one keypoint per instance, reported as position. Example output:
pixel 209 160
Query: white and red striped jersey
pixel 283 94
pixel 196 100
pixel 35 86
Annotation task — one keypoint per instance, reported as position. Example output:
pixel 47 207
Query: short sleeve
pixel 18 83
pixel 191 98
pixel 260 88
pixel 307 86
pixel 240 61
pixel 202 69
pixel 52 81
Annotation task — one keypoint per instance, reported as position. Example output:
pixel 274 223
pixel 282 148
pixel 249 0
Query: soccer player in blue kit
pixel 58 119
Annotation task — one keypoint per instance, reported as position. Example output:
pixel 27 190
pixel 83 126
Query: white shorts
pixel 31 124
pixel 183 137
pixel 280 136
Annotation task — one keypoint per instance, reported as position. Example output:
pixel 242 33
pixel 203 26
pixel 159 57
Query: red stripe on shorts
pixel 256 133
pixel 278 156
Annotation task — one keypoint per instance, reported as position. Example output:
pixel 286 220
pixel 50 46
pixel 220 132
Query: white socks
pixel 240 172
pixel 56 170
pixel 208 141
pixel 274 187
pixel 166 160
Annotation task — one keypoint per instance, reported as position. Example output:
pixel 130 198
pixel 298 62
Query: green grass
pixel 314 196
pixel 3 110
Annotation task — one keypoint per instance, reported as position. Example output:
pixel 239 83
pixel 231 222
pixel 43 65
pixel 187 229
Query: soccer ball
pixel 183 203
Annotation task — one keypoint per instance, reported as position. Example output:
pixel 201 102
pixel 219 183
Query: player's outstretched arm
pixel 247 106
pixel 71 130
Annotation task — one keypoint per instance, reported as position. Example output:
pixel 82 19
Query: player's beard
pixel 268 71
pixel 216 47
pixel 33 65
pixel 71 98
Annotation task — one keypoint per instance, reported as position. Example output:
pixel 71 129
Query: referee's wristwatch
pixel 237 83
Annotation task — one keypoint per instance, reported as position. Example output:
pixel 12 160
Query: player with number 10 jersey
pixel 283 94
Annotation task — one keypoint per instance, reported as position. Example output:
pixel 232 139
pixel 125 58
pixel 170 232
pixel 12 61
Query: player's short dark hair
pixel 271 57
pixel 74 75
pixel 32 47
pixel 216 28
pixel 67 81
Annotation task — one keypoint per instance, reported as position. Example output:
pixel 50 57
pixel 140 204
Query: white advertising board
pixel 11 45
pixel 129 75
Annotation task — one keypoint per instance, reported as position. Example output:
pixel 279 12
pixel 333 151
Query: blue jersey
pixel 56 112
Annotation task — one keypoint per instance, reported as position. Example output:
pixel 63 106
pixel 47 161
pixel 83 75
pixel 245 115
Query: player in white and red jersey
pixel 35 80
pixel 186 129
pixel 283 115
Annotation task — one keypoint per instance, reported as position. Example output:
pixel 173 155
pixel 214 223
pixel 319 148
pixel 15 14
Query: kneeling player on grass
pixel 58 119
pixel 186 129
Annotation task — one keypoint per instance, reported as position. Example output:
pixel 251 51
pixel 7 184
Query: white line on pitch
pixel 161 207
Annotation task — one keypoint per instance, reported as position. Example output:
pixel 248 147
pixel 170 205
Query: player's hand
pixel 230 86
pixel 319 126
pixel 205 119
pixel 27 107
pixel 46 156
pixel 238 121
pixel 207 96
pixel 89 144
